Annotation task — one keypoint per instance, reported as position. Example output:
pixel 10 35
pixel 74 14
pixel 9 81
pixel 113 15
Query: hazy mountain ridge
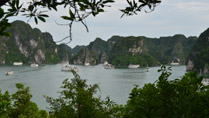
pixel 163 49
pixel 168 49
pixel 31 45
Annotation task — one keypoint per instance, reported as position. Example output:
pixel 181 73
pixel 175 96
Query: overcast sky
pixel 188 17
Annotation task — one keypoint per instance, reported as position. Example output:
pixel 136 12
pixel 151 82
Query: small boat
pixel 109 66
pixel 174 63
pixel 17 63
pixel 86 64
pixel 34 65
pixel 68 68
pixel 133 66
pixel 9 73
pixel 205 81
pixel 147 68
pixel 105 63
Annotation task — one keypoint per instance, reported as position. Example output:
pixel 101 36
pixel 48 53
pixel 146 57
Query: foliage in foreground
pixel 180 98
pixel 78 100
pixel 19 105
pixel 79 10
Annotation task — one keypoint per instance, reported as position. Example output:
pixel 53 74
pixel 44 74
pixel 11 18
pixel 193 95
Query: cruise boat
pixel 86 64
pixel 105 63
pixel 133 66
pixel 68 68
pixel 109 66
pixel 34 65
pixel 174 63
pixel 9 73
pixel 17 63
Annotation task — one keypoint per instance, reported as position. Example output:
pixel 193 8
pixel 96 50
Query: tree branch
pixel 2 2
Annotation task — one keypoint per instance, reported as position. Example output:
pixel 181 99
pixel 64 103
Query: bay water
pixel 47 80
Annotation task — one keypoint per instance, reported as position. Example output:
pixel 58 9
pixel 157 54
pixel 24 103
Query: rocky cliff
pixel 64 52
pixel 101 47
pixel 28 45
pixel 131 50
pixel 199 56
pixel 85 56
pixel 77 48
pixel 172 48
pixel 98 47
pixel 126 50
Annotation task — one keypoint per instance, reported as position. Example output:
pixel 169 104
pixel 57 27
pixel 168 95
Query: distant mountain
pixel 142 50
pixel 199 56
pixel 101 47
pixel 131 50
pixel 171 48
pixel 28 45
pixel 64 52
pixel 77 48
pixel 86 56
pixel 32 46
pixel 98 45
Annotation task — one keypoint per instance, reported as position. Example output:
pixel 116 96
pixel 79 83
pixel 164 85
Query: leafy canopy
pixel 77 100
pixel 19 105
pixel 180 98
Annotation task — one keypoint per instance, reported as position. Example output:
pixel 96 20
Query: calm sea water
pixel 116 83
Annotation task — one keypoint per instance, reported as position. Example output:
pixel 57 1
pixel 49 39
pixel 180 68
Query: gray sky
pixel 188 17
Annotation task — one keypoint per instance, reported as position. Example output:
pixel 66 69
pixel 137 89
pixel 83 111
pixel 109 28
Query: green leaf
pixel 42 19
pixel 108 1
pixel 71 14
pixel 36 20
pixel 66 18
pixel 101 10
pixel 19 86
pixel 6 34
pixel 9 15
pixel 1 13
pixel 17 3
pixel 31 7
pixel 44 15
pixel 85 1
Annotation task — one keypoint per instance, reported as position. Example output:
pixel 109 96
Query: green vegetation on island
pixel 131 50
pixel 122 51
pixel 29 45
pixel 199 56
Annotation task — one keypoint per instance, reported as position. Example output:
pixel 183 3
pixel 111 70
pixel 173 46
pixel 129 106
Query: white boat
pixel 105 63
pixel 174 63
pixel 205 81
pixel 34 65
pixel 133 66
pixel 9 73
pixel 109 66
pixel 86 64
pixel 68 68
pixel 147 69
pixel 17 63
